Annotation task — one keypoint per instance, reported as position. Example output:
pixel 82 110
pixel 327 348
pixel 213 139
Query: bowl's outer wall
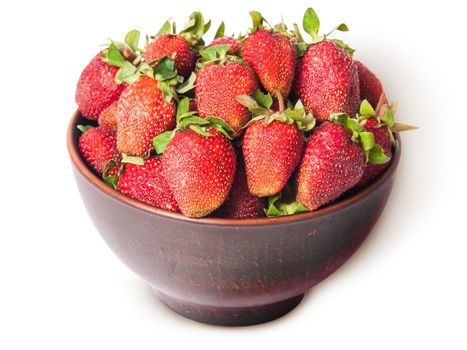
pixel 228 265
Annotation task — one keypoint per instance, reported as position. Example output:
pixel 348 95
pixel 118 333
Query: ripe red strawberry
pixel 200 171
pixel 240 203
pixel 98 148
pixel 326 81
pixel 331 165
pixel 108 119
pixel 96 88
pixel 227 40
pixel 217 87
pixel 142 114
pixel 371 88
pixel 272 57
pixel 173 45
pixel 147 184
pixel 383 138
pixel 271 154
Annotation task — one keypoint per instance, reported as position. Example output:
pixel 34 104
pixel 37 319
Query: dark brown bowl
pixel 224 271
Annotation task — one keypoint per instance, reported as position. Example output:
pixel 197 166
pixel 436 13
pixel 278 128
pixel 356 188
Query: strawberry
pixel 142 114
pixel 178 46
pixel 198 161
pixel 331 165
pixel 108 119
pixel 383 138
pixel 371 88
pixel 147 184
pixel 227 40
pixel 335 159
pixel 98 148
pixel 326 81
pixel 272 57
pixel 271 151
pixel 173 46
pixel 200 170
pixel 98 86
pixel 272 145
pixel 240 203
pixel 217 87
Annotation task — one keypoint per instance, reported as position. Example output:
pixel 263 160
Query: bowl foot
pixel 226 316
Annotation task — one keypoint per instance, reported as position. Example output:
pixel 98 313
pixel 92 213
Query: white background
pixel 62 288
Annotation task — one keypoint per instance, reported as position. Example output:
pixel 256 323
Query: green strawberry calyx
pixel 311 25
pixel 217 54
pixel 189 120
pixel 284 203
pixel 192 32
pixel 164 71
pixel 384 113
pixel 111 180
pixel 84 128
pixel 258 24
pixel 259 104
pixel 124 54
pixel 373 152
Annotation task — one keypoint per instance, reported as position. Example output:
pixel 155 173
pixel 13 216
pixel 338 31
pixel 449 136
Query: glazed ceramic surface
pixel 223 271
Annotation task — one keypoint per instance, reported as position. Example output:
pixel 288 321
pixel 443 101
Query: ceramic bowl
pixel 224 271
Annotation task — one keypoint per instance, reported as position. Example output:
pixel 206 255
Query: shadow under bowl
pixel 227 271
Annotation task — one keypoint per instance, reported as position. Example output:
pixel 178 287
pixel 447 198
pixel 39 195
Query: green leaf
pixel 342 27
pixel 83 128
pixel 187 85
pixel 161 141
pixel 206 27
pixel 222 131
pixel 311 22
pixel 344 46
pixel 344 120
pixel 222 123
pixel 166 91
pixel 132 39
pixel 145 69
pixel 165 69
pixel 257 19
pixel 264 100
pixel 195 26
pixel 183 107
pixel 252 105
pixel 367 140
pixel 132 160
pixel 220 31
pixel 388 117
pixel 199 130
pixel 114 57
pixel 398 127
pixel 165 29
pixel 217 51
pixel 366 109
pixel 279 207
pixel 298 34
pixel 377 156
pixel 192 120
pixel 301 49
pixel 126 74
pixel 112 180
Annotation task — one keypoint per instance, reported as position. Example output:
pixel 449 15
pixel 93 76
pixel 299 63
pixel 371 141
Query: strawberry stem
pixel 280 100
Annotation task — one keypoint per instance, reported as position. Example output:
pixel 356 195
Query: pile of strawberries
pixel 261 124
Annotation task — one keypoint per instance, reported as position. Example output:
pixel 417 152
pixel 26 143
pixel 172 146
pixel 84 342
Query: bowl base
pixel 225 316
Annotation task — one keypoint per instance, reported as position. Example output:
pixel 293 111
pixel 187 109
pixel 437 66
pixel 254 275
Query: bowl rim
pixel 96 181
